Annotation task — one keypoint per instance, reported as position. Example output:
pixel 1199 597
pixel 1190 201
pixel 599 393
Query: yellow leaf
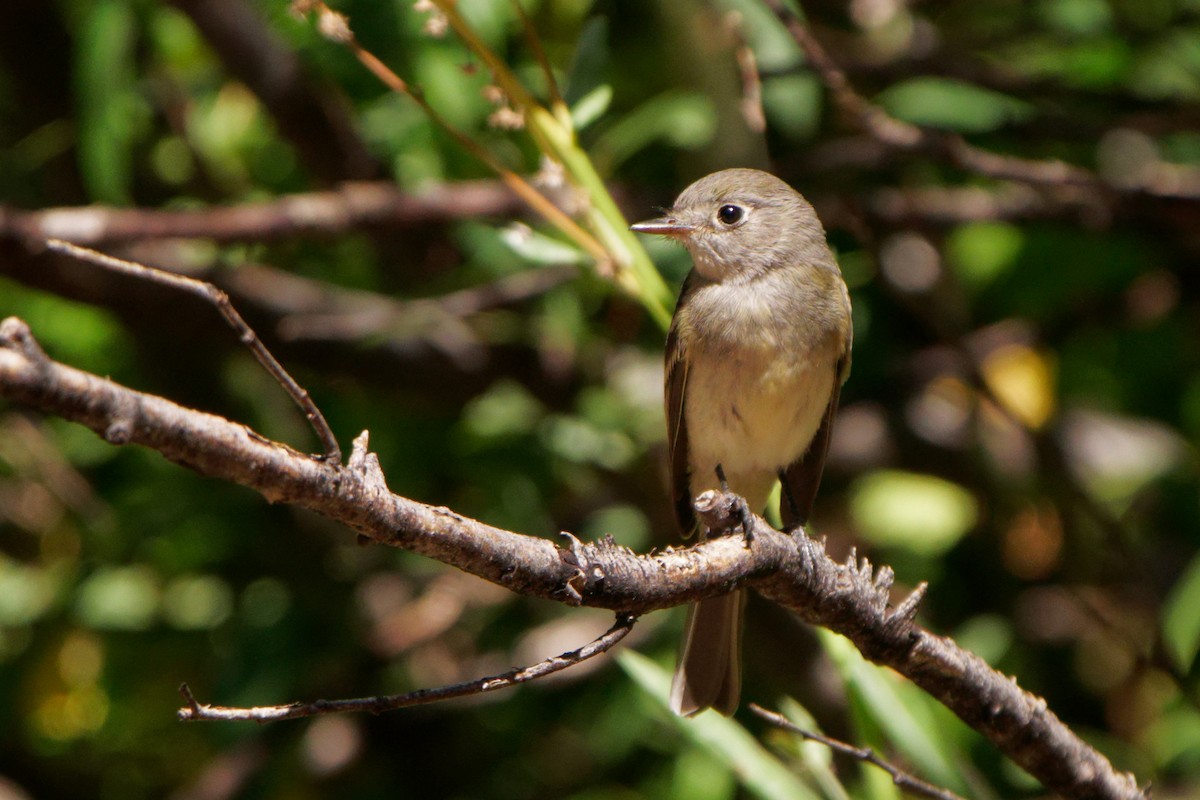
pixel 1022 380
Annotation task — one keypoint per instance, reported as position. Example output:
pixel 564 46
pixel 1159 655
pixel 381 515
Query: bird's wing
pixel 803 476
pixel 677 437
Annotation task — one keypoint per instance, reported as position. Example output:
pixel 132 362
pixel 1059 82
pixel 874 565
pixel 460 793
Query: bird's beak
pixel 663 226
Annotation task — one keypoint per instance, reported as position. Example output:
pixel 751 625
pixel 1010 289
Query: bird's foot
pixel 743 508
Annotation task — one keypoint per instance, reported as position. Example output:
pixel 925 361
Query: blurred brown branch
pixel 351 206
pixel 850 598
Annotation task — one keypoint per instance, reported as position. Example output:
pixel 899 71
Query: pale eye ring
pixel 730 214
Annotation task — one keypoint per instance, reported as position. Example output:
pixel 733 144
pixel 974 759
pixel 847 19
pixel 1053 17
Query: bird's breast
pixel 762 361
pixel 754 410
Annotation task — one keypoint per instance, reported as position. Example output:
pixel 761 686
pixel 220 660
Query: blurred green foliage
pixel 1019 430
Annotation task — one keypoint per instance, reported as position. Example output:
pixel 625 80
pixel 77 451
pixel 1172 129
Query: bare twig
pixel 351 206
pixel 873 119
pixel 206 291
pixel 195 710
pixel 851 598
pixel 906 781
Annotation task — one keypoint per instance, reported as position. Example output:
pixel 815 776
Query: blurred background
pixel 1018 430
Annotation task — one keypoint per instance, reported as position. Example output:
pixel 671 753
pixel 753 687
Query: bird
pixel 757 352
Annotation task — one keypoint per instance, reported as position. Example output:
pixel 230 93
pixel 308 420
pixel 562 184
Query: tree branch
pixel 351 206
pixel 220 300
pixel 196 710
pixel 850 598
pixel 903 780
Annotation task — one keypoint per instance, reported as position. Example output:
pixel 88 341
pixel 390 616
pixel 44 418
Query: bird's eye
pixel 730 214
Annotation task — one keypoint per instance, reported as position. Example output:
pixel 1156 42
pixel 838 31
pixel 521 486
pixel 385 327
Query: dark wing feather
pixel 677 436
pixel 803 476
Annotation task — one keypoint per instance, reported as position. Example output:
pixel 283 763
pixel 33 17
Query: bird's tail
pixel 709 673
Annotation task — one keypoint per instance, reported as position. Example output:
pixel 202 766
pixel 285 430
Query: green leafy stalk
pixel 553 134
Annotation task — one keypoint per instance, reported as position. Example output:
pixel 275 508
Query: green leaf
pixel 506 409
pixel 952 105
pixel 104 80
pixel 26 593
pixel 723 739
pixel 197 602
pixel 591 107
pixel 1076 17
pixel 922 513
pixel 1168 69
pixel 1181 618
pixel 980 252
pixel 119 598
pixel 793 104
pixel 539 248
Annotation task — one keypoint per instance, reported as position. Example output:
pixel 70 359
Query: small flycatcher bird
pixel 757 352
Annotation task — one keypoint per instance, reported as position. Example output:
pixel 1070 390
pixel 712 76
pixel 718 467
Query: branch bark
pixel 850 598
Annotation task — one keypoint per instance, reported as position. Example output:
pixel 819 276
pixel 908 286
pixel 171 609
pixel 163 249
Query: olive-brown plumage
pixel 757 352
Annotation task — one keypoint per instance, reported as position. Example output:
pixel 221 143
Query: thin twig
pixel 902 779
pixel 195 710
pixel 246 335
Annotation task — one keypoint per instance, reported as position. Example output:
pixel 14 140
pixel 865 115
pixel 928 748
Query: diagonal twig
pixel 539 55
pixel 246 335
pixel 195 710
pixel 904 780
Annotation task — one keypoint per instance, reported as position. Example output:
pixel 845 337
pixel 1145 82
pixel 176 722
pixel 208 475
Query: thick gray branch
pixel 794 571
